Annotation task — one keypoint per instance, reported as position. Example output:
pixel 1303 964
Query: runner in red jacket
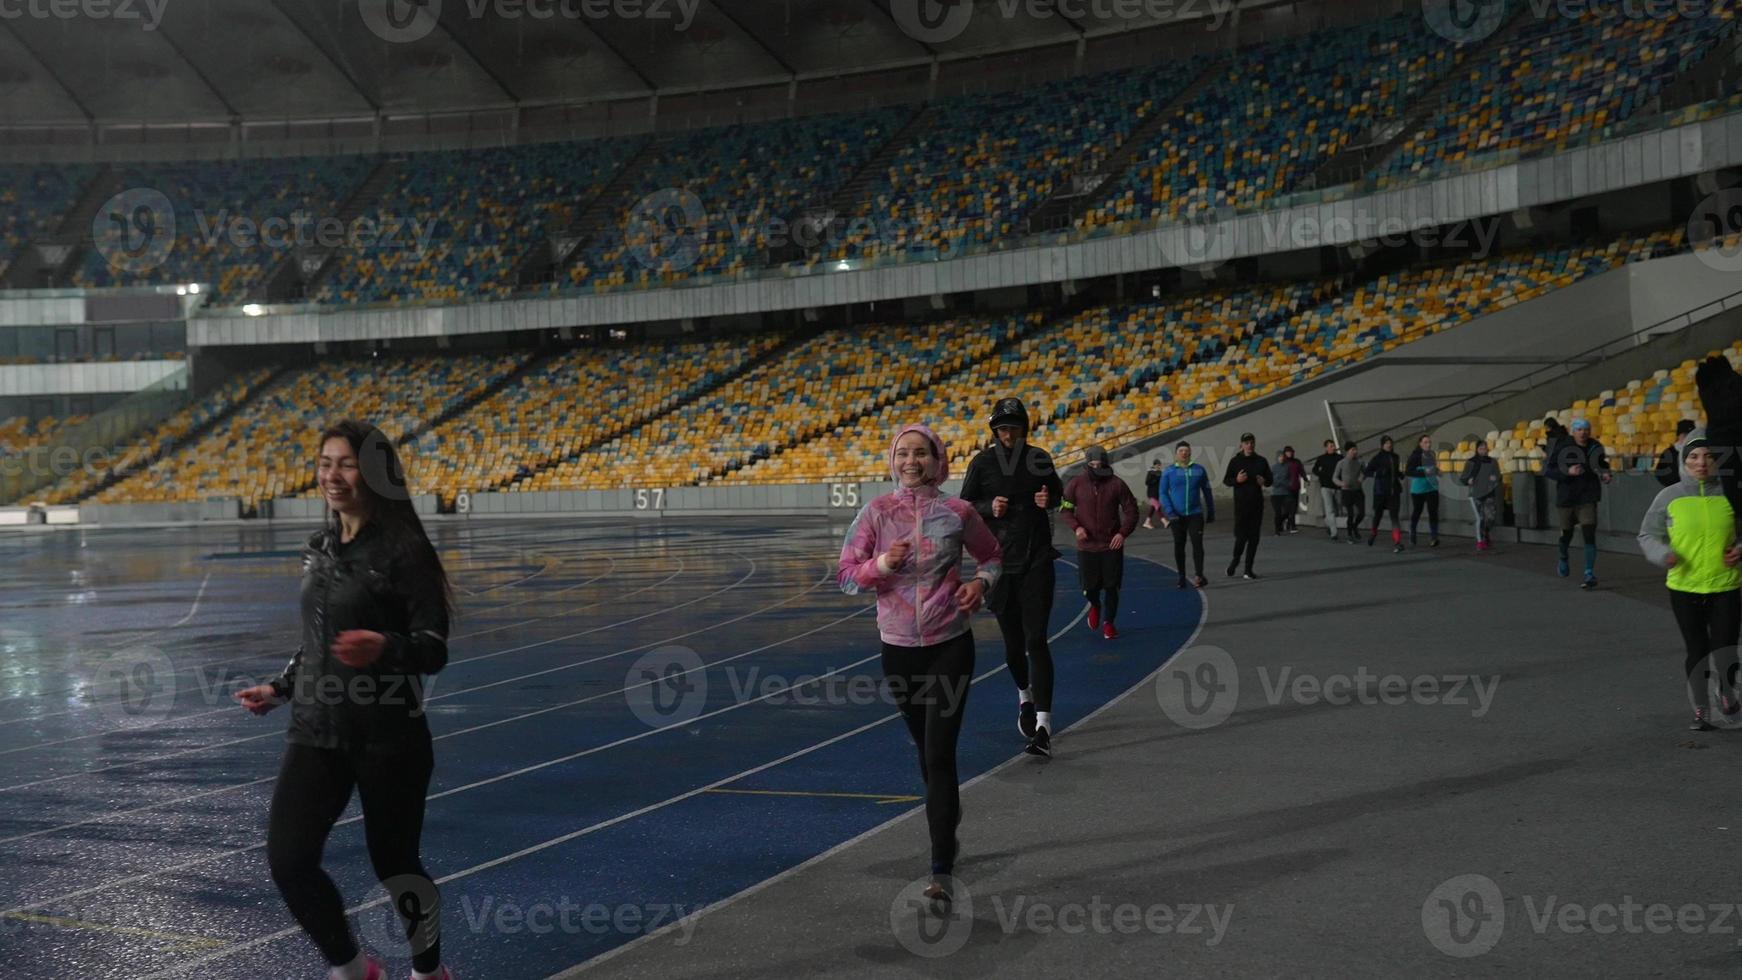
pixel 1101 510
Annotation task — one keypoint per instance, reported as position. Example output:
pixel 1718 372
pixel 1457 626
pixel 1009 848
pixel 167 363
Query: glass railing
pixel 91 443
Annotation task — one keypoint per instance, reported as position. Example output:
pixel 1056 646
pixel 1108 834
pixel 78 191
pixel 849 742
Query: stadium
pixel 512 489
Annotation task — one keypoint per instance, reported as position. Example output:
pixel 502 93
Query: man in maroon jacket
pixel 1101 510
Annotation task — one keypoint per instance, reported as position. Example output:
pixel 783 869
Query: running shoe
pixel 1234 568
pixel 444 975
pixel 1094 617
pixel 1109 631
pixel 1435 543
pixel 1562 568
pixel 1728 704
pixel 1200 581
pixel 937 894
pixel 1590 583
pixel 1182 581
pixel 1397 549
pixel 1040 744
pixel 1025 719
pixel 1250 576
pixel 1700 723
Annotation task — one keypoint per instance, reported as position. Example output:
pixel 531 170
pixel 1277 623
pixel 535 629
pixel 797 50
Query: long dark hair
pixel 390 508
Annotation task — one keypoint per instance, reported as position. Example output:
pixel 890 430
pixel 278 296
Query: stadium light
pixel 193 289
pixel 253 309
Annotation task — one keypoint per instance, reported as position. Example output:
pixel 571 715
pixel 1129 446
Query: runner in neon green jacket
pixel 1690 529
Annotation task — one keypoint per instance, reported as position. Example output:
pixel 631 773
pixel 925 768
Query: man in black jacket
pixel 1324 471
pixel 1016 489
pixel 1720 390
pixel 1579 467
pixel 1249 474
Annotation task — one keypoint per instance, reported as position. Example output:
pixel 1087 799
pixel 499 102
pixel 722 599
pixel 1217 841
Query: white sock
pixel 1044 720
pixel 1024 696
pixel 357 969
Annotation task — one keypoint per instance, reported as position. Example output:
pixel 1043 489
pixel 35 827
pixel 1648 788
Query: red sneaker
pixel 1109 632
pixel 1094 618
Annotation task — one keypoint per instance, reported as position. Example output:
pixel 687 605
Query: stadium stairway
pixel 844 201
pixel 53 259
pixel 593 219
pixel 293 278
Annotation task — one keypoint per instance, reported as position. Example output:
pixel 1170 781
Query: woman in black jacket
pixel 375 611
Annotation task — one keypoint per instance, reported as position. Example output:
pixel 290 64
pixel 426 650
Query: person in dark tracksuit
pixel 1669 463
pixel 1324 473
pixel 1387 474
pixel 1152 486
pixel 1348 478
pixel 1579 467
pixel 1183 485
pixel 1482 475
pixel 1249 474
pixel 1690 529
pixel 375 612
pixel 1100 510
pixel 1720 389
pixel 1016 489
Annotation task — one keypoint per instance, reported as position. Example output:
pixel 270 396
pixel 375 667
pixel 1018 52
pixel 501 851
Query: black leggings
pixel 1192 526
pixel 1354 508
pixel 930 686
pixel 1248 527
pixel 314 787
pixel 1283 508
pixel 1431 503
pixel 1102 573
pixel 1709 625
pixel 1024 616
pixel 1382 506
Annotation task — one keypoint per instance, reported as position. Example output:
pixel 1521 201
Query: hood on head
pixel 1094 453
pixel 941 463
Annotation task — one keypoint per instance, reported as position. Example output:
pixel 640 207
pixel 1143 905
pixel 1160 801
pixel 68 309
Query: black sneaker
pixel 1182 582
pixel 1397 549
pixel 1025 719
pixel 1233 569
pixel 938 895
pixel 1250 576
pixel 1200 581
pixel 1435 543
pixel 1590 583
pixel 1040 743
pixel 1371 540
pixel 1700 723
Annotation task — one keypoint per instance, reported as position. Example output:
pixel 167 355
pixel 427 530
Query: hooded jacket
pixel 1694 522
pixel 360 585
pixel 1025 531
pixel 1290 475
pixel 1182 485
pixel 1387 474
pixel 1587 487
pixel 1257 470
pixel 1482 475
pixel 1101 506
pixel 916 603
pixel 1423 470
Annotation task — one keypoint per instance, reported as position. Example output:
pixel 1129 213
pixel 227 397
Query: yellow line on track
pixel 64 923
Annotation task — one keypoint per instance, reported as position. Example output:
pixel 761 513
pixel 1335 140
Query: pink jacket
pixel 916 603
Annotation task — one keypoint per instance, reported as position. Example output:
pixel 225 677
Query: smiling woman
pixel 375 611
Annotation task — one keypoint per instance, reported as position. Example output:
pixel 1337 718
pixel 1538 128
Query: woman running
pixel 375 610
pixel 1690 529
pixel 906 546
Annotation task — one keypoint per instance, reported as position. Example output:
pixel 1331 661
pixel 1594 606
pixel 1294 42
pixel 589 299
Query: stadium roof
pixel 175 61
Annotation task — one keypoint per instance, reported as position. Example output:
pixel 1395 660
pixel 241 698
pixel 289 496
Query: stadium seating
pixel 19 434
pixel 1561 80
pixel 987 161
pixel 563 406
pixel 32 201
pixel 266 449
pixel 1272 116
pixel 483 211
pixel 209 198
pixel 744 178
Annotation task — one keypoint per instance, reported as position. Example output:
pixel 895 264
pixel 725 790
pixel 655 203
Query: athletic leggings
pixel 1248 528
pixel 1710 625
pixel 930 685
pixel 1192 526
pixel 1354 510
pixel 1484 519
pixel 1431 503
pixel 1282 507
pixel 1023 617
pixel 314 787
pixel 1387 505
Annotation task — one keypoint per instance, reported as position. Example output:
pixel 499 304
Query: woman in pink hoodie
pixel 907 547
